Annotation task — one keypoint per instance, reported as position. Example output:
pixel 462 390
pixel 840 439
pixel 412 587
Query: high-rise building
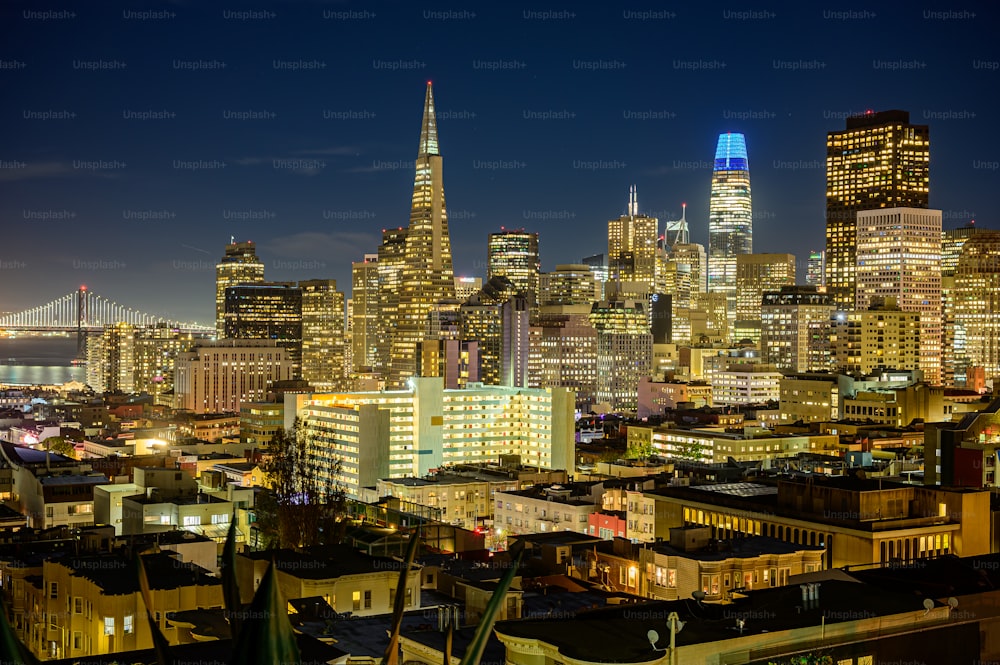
pixel 457 361
pixel 795 329
pixel 977 305
pixel 730 216
pixel 755 275
pixel 899 256
pixel 218 377
pixel 568 284
pixel 239 265
pixel 624 352
pixel 816 268
pixel 632 245
pixel 481 319
pixel 431 426
pixel 391 256
pixel 364 313
pixel 880 337
pixel 598 265
pixel 323 347
pixel 514 255
pixel 267 310
pixel 514 345
pixel 466 287
pixel 879 161
pixel 954 361
pixel 693 254
pixel 427 277
pixel 132 358
pixel 563 352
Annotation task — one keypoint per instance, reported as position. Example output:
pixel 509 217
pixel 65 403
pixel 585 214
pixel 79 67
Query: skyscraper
pixel 322 334
pixel 239 265
pixel 879 161
pixel 795 329
pixel 816 268
pixel 427 276
pixel 514 255
pixel 899 256
pixel 756 274
pixel 267 310
pixel 730 216
pixel 624 352
pixel 364 312
pixel 977 303
pixel 632 246
pixel 391 256
pixel 953 340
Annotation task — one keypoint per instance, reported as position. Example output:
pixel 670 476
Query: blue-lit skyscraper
pixel 730 216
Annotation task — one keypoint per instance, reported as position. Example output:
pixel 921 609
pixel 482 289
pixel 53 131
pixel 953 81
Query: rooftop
pixel 326 562
pixel 619 634
pixel 117 576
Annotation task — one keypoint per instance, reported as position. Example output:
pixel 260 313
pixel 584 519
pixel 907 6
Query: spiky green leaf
pixel 160 644
pixel 391 656
pixel 12 649
pixel 474 652
pixel 230 587
pixel 266 636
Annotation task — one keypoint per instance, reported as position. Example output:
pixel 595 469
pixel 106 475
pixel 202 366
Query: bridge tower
pixel 81 322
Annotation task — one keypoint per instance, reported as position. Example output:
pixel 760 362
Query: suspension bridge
pixel 83 312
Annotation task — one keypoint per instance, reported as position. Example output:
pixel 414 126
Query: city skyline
pixel 91 194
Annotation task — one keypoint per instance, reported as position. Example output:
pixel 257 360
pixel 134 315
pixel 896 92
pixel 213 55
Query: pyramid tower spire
pixel 428 128
pixel 426 273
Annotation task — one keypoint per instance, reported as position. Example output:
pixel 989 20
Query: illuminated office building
pixel 954 361
pixel 391 257
pixel 406 433
pixel 795 329
pixel 466 287
pixel 568 284
pixel 816 268
pixel 137 359
pixel 730 216
pixel 219 377
pixel 693 255
pixel 977 303
pixel 364 312
pixel 632 246
pixel 514 255
pixel 240 265
pixel 899 256
pixel 755 275
pixel 514 340
pixel 427 277
pixel 624 352
pixel 879 161
pixel 882 336
pixel 267 310
pixel 455 360
pixel 481 319
pixel 563 352
pixel 598 265
pixel 323 347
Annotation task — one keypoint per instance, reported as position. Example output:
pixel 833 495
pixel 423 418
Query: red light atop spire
pixel 83 287
pixel 869 112
pixel 429 82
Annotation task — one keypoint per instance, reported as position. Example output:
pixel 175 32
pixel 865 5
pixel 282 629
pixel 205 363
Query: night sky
pixel 546 115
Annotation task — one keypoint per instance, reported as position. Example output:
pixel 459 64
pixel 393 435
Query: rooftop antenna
pixel 633 203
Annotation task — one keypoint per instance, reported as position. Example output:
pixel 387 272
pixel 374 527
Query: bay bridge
pixel 83 312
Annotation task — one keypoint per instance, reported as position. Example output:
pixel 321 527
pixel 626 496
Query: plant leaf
pixel 160 643
pixel 230 586
pixel 266 637
pixel 391 656
pixel 12 649
pixel 474 652
pixel 448 639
